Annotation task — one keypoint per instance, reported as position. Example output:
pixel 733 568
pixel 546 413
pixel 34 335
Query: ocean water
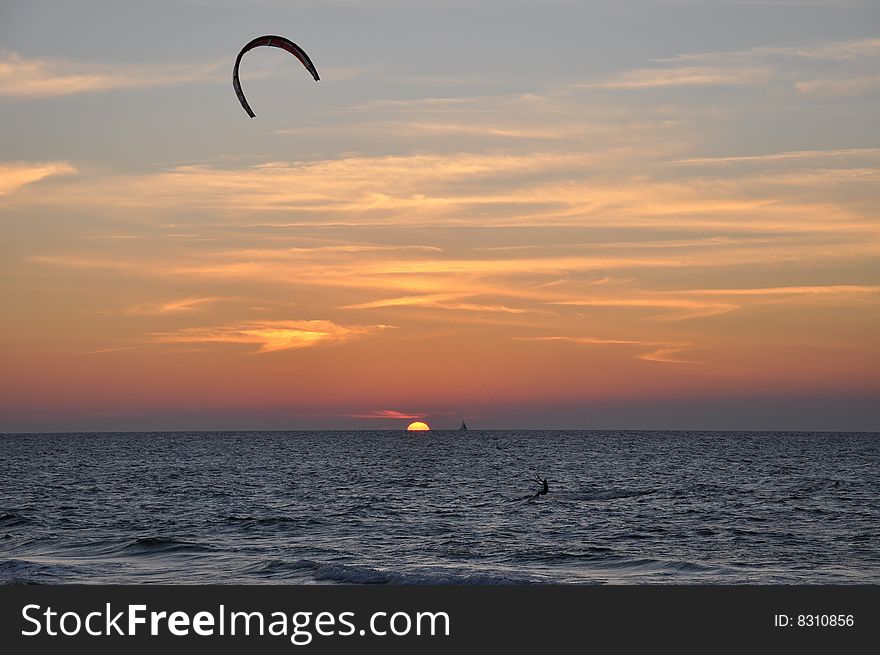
pixel 440 507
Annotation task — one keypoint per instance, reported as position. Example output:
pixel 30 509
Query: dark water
pixel 442 507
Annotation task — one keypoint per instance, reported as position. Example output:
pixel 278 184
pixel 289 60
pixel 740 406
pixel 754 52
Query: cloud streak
pixel 659 352
pixel 838 88
pixel 654 78
pixel 173 306
pixel 43 78
pixel 854 61
pixel 14 175
pixel 810 156
pixel 541 190
pixel 386 414
pixel 271 336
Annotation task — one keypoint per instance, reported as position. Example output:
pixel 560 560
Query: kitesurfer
pixel 544 488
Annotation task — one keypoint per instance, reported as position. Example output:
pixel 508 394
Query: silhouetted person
pixel 542 482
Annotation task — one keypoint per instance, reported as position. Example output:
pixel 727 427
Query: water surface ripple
pixel 440 507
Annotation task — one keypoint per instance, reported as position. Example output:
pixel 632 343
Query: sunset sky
pixel 556 214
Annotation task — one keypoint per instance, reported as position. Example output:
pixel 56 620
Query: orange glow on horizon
pixel 570 254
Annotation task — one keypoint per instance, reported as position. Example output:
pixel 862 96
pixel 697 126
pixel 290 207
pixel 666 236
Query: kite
pixel 275 42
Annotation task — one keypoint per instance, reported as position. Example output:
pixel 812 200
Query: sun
pixel 417 426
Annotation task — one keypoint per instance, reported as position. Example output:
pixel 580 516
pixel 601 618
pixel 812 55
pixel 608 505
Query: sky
pixel 628 214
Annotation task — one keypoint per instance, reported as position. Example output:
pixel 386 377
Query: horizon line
pixel 403 429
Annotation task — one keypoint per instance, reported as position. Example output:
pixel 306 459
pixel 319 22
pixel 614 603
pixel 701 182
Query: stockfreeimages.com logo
pixel 300 627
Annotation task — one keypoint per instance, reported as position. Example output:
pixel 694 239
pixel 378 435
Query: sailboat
pixel 463 426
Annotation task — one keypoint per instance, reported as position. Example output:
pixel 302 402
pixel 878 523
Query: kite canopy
pixel 275 42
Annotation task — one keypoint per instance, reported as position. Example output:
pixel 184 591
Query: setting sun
pixel 417 426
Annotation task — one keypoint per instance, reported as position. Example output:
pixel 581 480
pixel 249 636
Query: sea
pixel 440 507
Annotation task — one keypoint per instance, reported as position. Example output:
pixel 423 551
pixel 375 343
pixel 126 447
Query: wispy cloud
pixel 792 155
pixel 834 87
pixel 112 349
pixel 386 414
pixel 856 49
pixel 513 286
pixel 41 77
pixel 648 78
pixel 271 336
pixel 591 341
pixel 490 127
pixel 14 175
pixel 173 306
pixel 658 352
pixel 666 355
pixel 463 189
pixel 853 62
pixel 324 251
pixel 686 304
pixel 830 290
pixel 678 308
pixel 442 301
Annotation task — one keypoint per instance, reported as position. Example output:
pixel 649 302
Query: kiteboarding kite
pixel 275 42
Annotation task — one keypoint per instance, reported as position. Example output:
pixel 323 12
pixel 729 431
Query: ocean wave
pixel 356 574
pixel 601 494
pixel 270 521
pixel 20 571
pixel 162 545
pixel 640 565
pixel 564 557
pixel 10 520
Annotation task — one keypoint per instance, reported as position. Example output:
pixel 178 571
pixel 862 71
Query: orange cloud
pixel 648 78
pixel 666 355
pixel 791 155
pixel 40 78
pixel 271 336
pixel 173 306
pixel 683 308
pixel 661 352
pixel 15 175
pixel 585 340
pixel 442 301
pixel 688 303
pixel 386 413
